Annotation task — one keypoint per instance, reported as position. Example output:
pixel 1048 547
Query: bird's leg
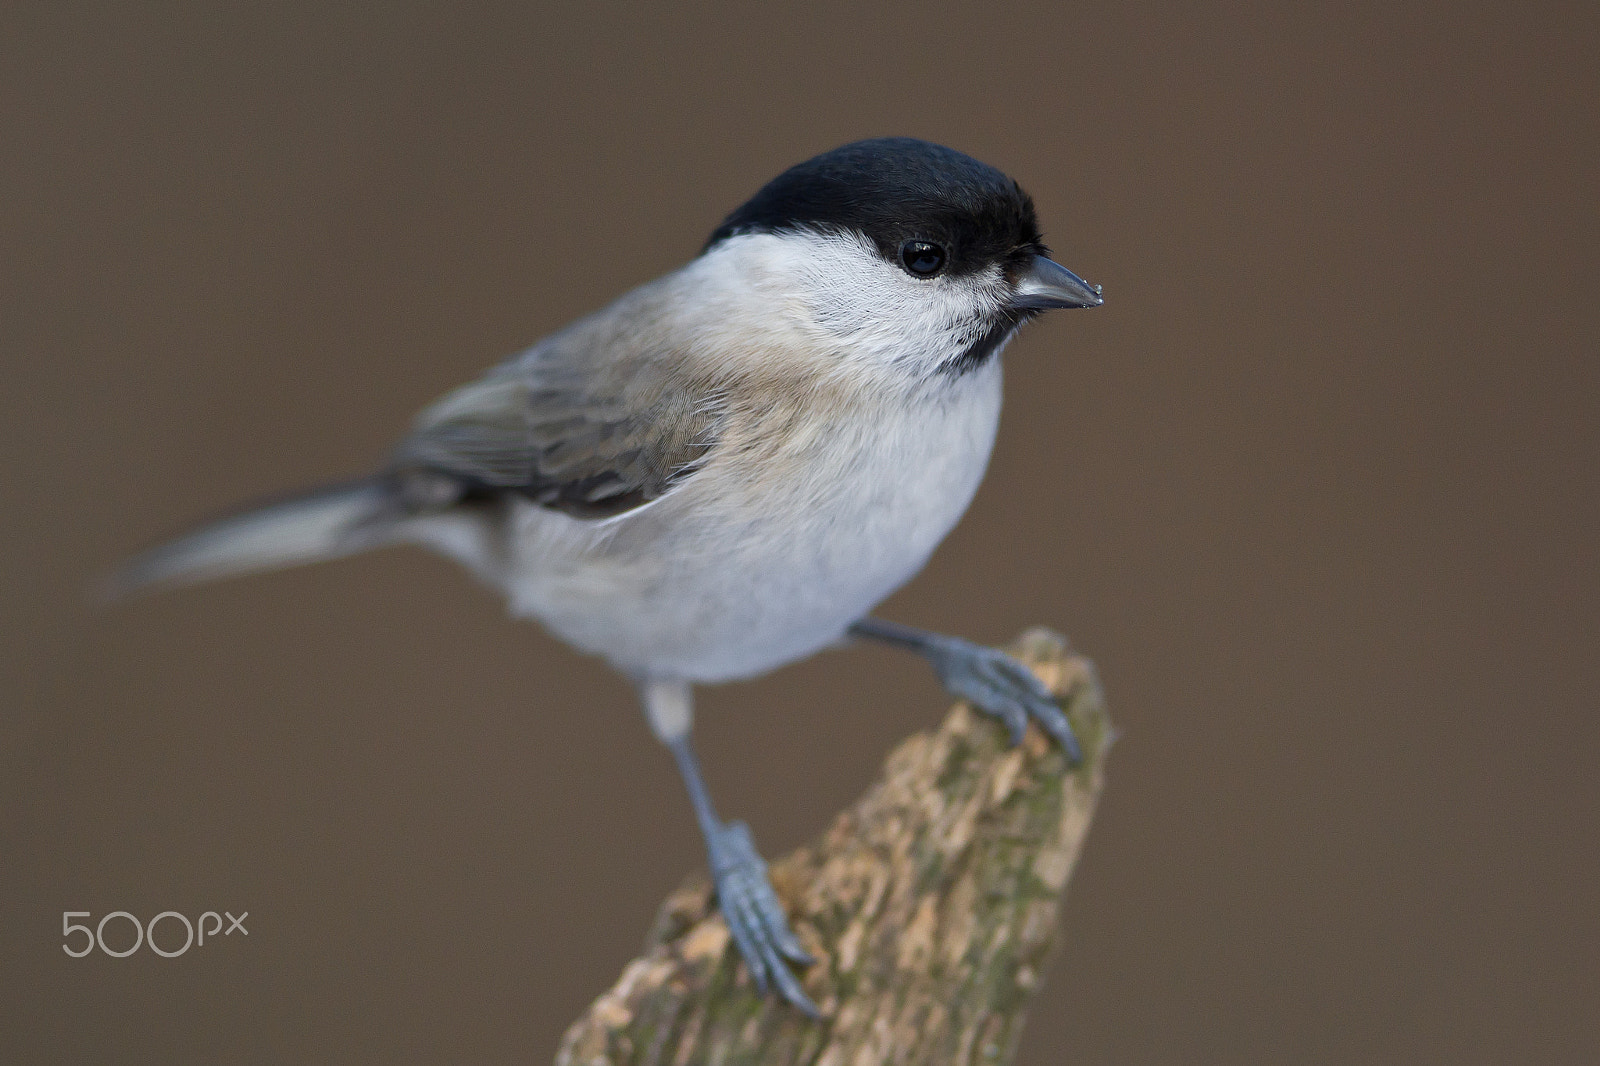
pixel 992 681
pixel 744 894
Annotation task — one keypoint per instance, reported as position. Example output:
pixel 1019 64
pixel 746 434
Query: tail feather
pixel 322 524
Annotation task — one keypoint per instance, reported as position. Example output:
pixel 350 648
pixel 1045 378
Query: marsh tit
pixel 726 469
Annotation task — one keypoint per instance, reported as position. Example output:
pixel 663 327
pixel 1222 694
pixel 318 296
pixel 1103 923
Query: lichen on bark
pixel 930 906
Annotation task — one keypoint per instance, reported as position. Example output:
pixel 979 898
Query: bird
pixel 727 468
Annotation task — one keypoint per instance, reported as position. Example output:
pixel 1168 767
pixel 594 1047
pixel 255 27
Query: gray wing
pixel 593 437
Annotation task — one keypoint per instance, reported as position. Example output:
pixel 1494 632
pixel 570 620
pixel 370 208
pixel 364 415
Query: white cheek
pixel 883 312
pixel 848 295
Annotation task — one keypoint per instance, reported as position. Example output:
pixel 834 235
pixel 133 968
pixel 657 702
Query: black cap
pixel 895 189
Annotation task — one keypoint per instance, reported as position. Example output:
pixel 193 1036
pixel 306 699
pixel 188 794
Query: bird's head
pixel 902 252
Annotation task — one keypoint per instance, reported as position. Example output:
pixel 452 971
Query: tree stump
pixel 930 907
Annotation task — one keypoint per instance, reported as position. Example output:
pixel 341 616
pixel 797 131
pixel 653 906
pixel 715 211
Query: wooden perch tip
pixel 930 906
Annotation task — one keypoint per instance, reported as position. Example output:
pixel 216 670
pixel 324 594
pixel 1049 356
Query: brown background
pixel 1316 488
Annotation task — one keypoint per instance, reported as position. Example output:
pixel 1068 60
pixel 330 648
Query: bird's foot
pixel 754 915
pixel 1002 687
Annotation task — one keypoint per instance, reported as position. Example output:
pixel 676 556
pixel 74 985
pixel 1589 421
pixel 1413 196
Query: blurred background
pixel 1316 488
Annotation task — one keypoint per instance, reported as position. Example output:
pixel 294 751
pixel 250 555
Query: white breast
pixel 743 570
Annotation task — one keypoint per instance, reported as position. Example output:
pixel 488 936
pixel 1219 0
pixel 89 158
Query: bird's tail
pixel 321 524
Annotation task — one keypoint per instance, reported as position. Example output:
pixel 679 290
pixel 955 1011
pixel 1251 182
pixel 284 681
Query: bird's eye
pixel 922 259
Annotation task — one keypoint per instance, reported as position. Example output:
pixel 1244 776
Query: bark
pixel 931 907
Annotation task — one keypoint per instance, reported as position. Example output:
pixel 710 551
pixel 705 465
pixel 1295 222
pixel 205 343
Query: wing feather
pixel 574 424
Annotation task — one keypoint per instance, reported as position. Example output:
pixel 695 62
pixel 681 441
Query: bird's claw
pixel 755 917
pixel 1000 686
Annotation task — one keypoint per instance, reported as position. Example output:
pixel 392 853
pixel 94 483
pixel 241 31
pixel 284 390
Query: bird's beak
pixel 1044 284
